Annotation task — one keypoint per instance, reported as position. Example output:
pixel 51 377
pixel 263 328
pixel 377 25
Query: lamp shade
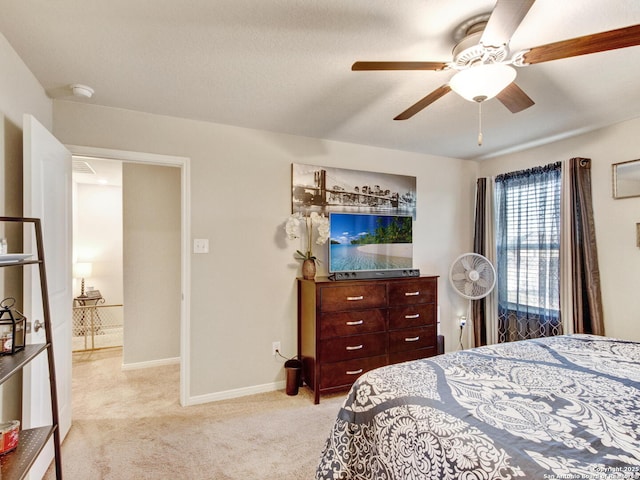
pixel 82 269
pixel 482 82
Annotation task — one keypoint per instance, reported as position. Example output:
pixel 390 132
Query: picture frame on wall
pixel 329 189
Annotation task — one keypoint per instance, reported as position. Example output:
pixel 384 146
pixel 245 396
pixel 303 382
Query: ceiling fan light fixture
pixel 482 82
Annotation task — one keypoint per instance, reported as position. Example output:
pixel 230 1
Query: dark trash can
pixel 293 368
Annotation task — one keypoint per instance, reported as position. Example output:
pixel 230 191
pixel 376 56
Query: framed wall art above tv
pixel 329 189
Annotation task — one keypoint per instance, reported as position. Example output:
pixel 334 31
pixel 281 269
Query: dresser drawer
pixel 412 339
pixel 412 355
pixel 351 297
pixel 412 316
pixel 352 322
pixel 349 327
pixel 345 373
pixel 412 292
pixel 355 346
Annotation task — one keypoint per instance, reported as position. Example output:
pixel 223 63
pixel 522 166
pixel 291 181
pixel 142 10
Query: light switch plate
pixel 200 245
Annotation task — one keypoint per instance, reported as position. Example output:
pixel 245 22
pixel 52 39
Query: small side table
pixel 90 322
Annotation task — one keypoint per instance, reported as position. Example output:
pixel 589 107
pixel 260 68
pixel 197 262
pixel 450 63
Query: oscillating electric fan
pixel 473 277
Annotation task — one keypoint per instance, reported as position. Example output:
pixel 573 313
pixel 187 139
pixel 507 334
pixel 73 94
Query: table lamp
pixel 82 270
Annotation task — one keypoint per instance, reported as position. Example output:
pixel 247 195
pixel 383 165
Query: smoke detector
pixel 81 91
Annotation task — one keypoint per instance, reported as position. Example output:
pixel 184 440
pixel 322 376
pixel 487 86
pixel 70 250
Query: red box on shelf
pixel 9 433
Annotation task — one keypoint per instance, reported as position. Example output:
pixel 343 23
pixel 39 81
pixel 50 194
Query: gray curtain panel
pixel 479 246
pixel 587 299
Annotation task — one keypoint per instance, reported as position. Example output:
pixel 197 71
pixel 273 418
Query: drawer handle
pixel 415 315
pixel 355 347
pixel 355 299
pixel 354 372
pixel 358 322
pixel 412 339
pixel 411 294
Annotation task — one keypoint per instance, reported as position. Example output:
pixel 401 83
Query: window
pixel 528 253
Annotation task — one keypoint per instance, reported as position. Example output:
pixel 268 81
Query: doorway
pixel 148 344
pixel 98 310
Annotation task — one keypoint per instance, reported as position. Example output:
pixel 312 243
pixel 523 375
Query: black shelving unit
pixel 16 464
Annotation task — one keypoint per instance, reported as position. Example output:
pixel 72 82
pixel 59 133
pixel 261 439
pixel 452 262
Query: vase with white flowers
pixel 311 222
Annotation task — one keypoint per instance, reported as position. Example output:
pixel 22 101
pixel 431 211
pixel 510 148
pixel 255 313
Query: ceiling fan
pixel 482 61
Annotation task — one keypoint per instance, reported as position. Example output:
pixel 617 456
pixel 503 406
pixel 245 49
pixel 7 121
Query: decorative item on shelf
pixel 82 270
pixel 292 227
pixel 12 328
pixel 9 434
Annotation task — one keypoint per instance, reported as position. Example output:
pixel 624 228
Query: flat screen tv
pixel 369 242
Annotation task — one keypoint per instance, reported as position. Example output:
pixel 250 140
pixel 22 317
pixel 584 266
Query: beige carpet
pixel 129 425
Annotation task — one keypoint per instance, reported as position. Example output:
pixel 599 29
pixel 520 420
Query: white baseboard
pixel 209 397
pixel 152 363
pixel 239 392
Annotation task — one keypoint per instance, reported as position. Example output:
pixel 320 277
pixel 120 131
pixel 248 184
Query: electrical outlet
pixel 275 348
pixel 463 321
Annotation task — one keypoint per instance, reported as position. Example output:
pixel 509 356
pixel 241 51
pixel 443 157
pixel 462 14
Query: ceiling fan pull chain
pixel 479 124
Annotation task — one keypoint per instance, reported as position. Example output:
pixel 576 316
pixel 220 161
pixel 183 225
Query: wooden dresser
pixel 348 327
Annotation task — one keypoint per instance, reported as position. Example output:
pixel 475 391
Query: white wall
pixel 151 242
pixel 615 220
pixel 97 238
pixel 243 292
pixel 20 92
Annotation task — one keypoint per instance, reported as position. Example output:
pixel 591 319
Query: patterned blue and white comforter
pixel 552 408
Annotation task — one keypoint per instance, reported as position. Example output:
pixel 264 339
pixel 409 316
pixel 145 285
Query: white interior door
pixel 47 195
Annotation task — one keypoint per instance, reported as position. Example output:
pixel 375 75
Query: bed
pixel 550 408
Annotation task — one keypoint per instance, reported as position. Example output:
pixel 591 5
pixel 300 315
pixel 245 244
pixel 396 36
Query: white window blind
pixel 528 251
pixel 533 243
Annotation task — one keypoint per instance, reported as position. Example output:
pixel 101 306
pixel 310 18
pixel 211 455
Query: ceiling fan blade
pixel 597 42
pixel 514 98
pixel 361 66
pixel 425 102
pixel 503 22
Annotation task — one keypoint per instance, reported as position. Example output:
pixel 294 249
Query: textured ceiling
pixel 285 66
